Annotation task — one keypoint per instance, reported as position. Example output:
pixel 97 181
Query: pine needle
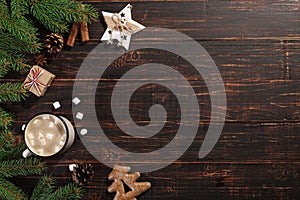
pixel 9 191
pixel 7 141
pixel 6 119
pixel 43 189
pixel 21 27
pixel 19 8
pixel 12 153
pixel 87 13
pixel 68 192
pixel 14 45
pixel 58 15
pixel 11 62
pixel 12 92
pixel 4 66
pixel 55 15
pixel 51 24
pixel 21 167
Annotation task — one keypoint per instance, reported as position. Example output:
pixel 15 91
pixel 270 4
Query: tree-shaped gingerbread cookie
pixel 120 175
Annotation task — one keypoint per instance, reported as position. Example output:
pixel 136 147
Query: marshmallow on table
pixel 23 127
pixel 79 115
pixel 71 167
pixel 56 105
pixel 83 131
pixel 76 100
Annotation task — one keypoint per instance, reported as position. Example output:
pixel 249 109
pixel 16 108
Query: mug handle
pixel 26 153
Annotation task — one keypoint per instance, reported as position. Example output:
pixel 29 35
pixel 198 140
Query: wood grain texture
pixel 255 45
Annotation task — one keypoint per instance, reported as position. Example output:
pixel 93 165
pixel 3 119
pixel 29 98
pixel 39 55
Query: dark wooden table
pixel 255 45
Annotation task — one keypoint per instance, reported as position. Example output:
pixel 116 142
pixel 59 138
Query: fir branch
pixel 51 24
pixel 19 8
pixel 87 13
pixel 58 15
pixel 12 153
pixel 6 119
pixel 9 191
pixel 7 140
pixel 4 66
pixel 3 7
pixel 55 15
pixel 21 27
pixel 67 192
pixel 21 167
pixel 65 10
pixel 12 92
pixel 13 45
pixel 14 62
pixel 43 189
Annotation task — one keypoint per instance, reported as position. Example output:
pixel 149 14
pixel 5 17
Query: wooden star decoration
pixel 120 26
pixel 121 176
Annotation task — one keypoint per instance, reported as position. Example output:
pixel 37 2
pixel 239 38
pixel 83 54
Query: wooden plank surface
pixel 255 45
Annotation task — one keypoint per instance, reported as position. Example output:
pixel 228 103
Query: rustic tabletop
pixel 255 45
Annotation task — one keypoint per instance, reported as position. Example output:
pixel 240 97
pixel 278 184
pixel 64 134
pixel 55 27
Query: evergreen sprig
pixel 55 24
pixel 6 120
pixel 86 13
pixel 43 188
pixel 9 62
pixel 9 191
pixel 19 27
pixel 12 92
pixel 4 65
pixel 19 8
pixel 67 192
pixel 21 167
pixel 58 15
pixel 15 45
pixel 12 153
pixel 6 141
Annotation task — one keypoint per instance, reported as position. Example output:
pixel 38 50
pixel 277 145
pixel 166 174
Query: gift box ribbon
pixel 33 77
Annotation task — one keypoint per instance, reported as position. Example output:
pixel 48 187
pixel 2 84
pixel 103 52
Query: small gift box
pixel 38 80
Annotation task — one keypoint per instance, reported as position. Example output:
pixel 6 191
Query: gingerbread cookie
pixel 120 175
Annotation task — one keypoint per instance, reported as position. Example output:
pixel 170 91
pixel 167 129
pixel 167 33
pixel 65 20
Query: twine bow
pixel 120 26
pixel 33 77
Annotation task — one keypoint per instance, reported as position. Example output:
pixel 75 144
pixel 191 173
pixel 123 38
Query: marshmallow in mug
pixel 47 135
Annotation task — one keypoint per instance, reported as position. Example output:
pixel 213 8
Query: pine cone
pixel 82 173
pixel 53 43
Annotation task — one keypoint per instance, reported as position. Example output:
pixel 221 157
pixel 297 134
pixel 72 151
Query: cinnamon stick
pixel 84 32
pixel 73 34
